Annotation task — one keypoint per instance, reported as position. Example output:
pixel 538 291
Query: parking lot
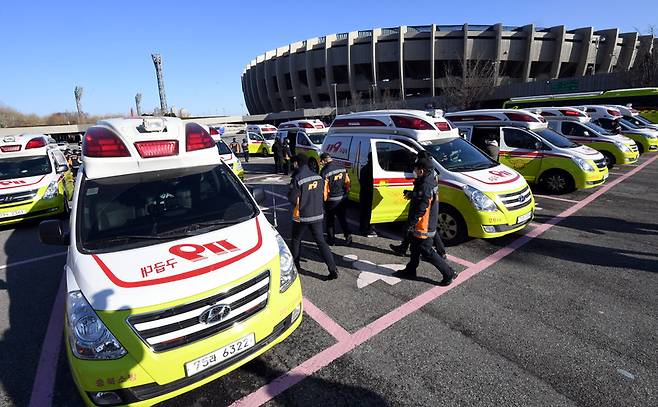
pixel 563 313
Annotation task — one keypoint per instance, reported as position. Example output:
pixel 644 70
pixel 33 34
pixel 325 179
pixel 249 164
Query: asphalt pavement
pixel 564 312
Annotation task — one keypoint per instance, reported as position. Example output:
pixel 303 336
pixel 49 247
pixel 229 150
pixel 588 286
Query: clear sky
pixel 49 47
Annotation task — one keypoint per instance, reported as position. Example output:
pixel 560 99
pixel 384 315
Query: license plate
pixel 524 218
pixel 220 355
pixel 12 213
pixel 605 176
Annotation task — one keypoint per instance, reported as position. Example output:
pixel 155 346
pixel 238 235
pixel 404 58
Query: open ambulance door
pixel 392 170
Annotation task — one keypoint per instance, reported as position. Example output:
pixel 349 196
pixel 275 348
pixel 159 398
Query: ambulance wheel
pixel 557 182
pixel 451 226
pixel 640 148
pixel 313 164
pixel 609 159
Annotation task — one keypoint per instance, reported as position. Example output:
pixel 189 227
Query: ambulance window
pixel 516 138
pixel 24 167
pixel 59 158
pixel 302 140
pixel 255 137
pixel 575 129
pixel 394 157
pixel 223 148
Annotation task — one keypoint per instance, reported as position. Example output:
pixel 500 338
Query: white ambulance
pixel 225 152
pixel 610 118
pixel 305 136
pixel 260 138
pixel 637 128
pixel 633 116
pixel 174 276
pixel 479 197
pixel 35 179
pixel 268 131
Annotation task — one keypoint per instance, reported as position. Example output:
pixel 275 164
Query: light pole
pixel 335 86
pixel 294 101
pixel 138 103
pixel 373 89
pixel 77 92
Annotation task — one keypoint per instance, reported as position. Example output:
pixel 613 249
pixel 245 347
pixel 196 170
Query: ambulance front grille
pixel 601 164
pixel 17 197
pixel 633 147
pixel 516 200
pixel 174 327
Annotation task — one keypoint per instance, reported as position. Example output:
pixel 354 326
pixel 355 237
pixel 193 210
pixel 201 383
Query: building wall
pixel 412 62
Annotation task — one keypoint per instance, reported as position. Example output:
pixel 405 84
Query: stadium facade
pixel 409 63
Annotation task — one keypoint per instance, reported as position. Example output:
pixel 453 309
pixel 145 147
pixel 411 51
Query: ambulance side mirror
pixel 53 232
pixel 62 168
pixel 259 195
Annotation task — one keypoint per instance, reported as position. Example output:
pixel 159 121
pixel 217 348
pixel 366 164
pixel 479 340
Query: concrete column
pixel 310 72
pixel 261 90
pixel 627 53
pixel 246 92
pixel 269 84
pixel 558 32
pixel 433 58
pixel 403 31
pixel 646 45
pixel 351 36
pixel 498 29
pixel 280 76
pixel 608 49
pixel 253 80
pixel 294 78
pixel 586 36
pixel 328 72
pixel 529 48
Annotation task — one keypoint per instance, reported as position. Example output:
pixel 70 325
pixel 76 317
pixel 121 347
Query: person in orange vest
pixel 336 187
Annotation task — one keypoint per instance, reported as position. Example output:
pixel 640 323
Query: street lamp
pixel 335 86
pixel 294 101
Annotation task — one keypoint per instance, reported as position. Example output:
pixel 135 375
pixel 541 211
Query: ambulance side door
pixel 67 175
pixel 520 150
pixel 392 173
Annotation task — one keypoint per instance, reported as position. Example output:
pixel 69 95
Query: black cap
pixel 423 163
pixel 300 159
pixel 324 156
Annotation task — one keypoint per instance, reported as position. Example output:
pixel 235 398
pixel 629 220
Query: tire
pixel 610 159
pixel 640 148
pixel 451 226
pixel 557 182
pixel 313 164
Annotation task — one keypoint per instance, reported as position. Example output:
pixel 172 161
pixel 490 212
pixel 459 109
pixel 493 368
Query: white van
pixel 633 116
pixel 528 145
pixel 305 136
pixel 479 197
pixel 225 152
pixel 174 277
pixel 266 131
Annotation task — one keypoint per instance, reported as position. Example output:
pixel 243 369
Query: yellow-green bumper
pixel 33 209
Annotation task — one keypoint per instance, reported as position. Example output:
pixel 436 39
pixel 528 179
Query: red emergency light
pixel 415 123
pixel 102 142
pixel 10 149
pixel 36 142
pixel 197 138
pixel 157 148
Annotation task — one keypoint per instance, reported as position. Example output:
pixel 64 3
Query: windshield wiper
pixel 480 166
pixel 128 238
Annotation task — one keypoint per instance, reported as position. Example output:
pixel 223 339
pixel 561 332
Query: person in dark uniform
pixel 491 146
pixel 287 156
pixel 245 150
pixel 235 147
pixel 277 151
pixel 423 217
pixel 365 199
pixel 336 187
pixel 401 249
pixel 306 194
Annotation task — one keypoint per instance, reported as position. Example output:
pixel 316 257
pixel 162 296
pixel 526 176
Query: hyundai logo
pixel 214 314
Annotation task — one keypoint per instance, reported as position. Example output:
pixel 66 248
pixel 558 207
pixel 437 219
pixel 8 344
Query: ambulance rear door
pixel 392 170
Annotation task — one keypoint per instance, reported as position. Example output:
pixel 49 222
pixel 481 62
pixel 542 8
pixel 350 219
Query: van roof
pixel 498 117
pixel 308 125
pixel 24 145
pixel 560 113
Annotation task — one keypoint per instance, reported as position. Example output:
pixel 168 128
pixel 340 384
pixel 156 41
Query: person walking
pixel 365 199
pixel 235 147
pixel 287 156
pixel 401 249
pixel 336 187
pixel 306 194
pixel 423 217
pixel 245 150
pixel 277 152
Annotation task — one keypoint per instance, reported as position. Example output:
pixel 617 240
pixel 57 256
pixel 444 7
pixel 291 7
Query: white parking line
pixel 20 263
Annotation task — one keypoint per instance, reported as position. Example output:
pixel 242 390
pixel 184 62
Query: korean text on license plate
pixel 220 355
pixel 13 213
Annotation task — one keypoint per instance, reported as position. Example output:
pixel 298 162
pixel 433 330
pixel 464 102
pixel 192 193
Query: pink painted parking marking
pixel 324 358
pixel 459 260
pixel 328 324
pixel 556 198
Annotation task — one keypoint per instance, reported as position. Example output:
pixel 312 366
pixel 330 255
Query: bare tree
pixel 466 86
pixel 644 72
pixel 138 103
pixel 78 97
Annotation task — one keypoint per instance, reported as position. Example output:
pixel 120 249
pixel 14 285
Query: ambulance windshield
pixel 317 138
pixel 143 209
pixel 21 167
pixel 457 154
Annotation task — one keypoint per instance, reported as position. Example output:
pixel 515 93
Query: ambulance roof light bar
pixel 154 124
pixel 103 142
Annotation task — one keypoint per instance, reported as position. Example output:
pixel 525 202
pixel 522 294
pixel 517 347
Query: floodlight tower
pixel 138 103
pixel 78 96
pixel 157 61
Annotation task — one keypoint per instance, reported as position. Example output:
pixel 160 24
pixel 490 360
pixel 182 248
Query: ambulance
pixel 577 126
pixel 174 276
pixel 479 197
pixel 528 145
pixel 268 132
pixel 610 118
pixel 35 179
pixel 261 138
pixel 305 136
pixel 635 127
pixel 225 152
pixel 634 117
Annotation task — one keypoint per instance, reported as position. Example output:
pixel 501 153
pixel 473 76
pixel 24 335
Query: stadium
pixel 417 66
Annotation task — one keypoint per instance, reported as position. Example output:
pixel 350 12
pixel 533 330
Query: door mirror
pixel 539 145
pixel 62 168
pixel 463 133
pixel 259 195
pixel 54 232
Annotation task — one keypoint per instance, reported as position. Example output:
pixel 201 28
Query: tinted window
pixel 608 124
pixel 456 154
pixel 24 167
pixel 516 138
pixel 630 124
pixel 317 138
pixel 598 129
pixel 223 148
pixel 556 139
pixel 144 209
pixel 255 137
pixel 576 129
pixel 301 140
pixel 394 157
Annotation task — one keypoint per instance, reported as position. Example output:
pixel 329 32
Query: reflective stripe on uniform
pixel 311 218
pixel 334 172
pixel 309 179
pixel 336 198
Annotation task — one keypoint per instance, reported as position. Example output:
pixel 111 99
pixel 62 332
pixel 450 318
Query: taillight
pixel 10 149
pixel 197 138
pixel 572 113
pixel 520 117
pixel 443 126
pixel 319 126
pixel 214 132
pixel 36 142
pixel 473 118
pixel 615 113
pixel 357 123
pixel 547 114
pixel 306 125
pixel 415 123
pixel 157 148
pixel 102 142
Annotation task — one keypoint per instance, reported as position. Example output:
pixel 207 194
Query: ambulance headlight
pixel 287 265
pixel 89 338
pixel 623 147
pixel 51 191
pixel 481 202
pixel 584 165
